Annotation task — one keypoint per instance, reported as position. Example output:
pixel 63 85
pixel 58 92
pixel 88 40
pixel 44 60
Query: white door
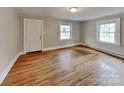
pixel 33 35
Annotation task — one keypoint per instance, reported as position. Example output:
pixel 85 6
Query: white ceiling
pixel 83 13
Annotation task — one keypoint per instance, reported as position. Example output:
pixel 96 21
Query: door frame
pixel 25 33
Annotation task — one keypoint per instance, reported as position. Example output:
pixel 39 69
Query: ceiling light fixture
pixel 73 9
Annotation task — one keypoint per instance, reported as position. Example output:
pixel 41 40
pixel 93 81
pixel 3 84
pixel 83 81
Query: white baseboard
pixel 106 51
pixel 22 53
pixel 8 68
pixel 59 47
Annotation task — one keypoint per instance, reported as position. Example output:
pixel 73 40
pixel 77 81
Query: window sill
pixel 117 44
pixel 65 39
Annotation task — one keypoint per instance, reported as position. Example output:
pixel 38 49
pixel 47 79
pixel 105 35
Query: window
pixel 65 31
pixel 109 31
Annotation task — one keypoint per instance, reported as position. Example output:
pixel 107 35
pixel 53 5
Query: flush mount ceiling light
pixel 73 9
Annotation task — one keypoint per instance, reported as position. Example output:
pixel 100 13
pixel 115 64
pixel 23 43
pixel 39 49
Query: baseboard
pixel 8 68
pixel 105 51
pixel 22 53
pixel 59 47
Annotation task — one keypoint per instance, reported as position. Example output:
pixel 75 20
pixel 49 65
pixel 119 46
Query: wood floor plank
pixel 74 66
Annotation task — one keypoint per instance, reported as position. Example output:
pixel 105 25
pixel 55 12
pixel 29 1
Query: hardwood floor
pixel 70 66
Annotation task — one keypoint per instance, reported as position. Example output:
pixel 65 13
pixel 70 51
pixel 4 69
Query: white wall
pixel 88 35
pixel 9 37
pixel 51 29
pixel 51 36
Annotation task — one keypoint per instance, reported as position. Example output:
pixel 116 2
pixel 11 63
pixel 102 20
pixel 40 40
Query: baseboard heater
pixel 106 51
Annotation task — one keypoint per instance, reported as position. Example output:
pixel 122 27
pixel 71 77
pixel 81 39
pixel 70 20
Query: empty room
pixel 62 46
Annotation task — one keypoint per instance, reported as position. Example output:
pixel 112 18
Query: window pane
pixel 112 27
pixel 112 37
pixel 65 32
pixel 107 32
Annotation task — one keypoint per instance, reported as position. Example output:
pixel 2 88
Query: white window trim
pixel 117 33
pixel 64 23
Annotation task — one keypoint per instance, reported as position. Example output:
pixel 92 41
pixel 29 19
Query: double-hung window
pixel 65 31
pixel 109 31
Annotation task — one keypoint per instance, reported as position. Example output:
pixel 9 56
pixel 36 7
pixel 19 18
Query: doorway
pixel 33 35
